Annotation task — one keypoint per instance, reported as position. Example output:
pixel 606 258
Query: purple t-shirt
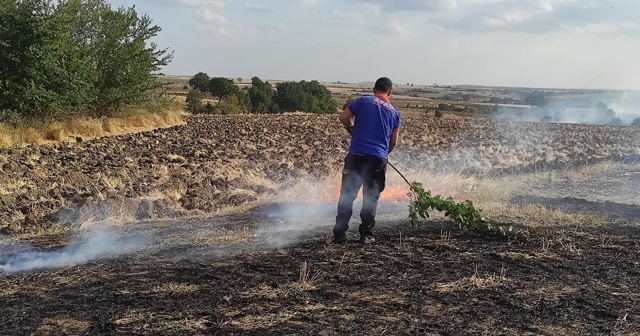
pixel 375 120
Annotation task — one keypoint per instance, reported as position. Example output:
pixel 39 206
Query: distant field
pixel 525 104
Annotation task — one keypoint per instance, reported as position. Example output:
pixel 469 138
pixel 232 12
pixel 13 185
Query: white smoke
pixel 88 247
pixel 598 108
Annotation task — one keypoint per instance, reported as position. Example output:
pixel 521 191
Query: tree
pixel 304 96
pixel 40 74
pixel 636 122
pixel 75 55
pixel 200 81
pixel 221 87
pixel 118 47
pixel 616 121
pixel 194 101
pixel 260 94
pixel 244 101
pixel 536 99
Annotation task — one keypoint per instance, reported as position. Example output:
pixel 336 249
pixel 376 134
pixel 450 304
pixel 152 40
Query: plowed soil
pixel 214 162
pixel 271 271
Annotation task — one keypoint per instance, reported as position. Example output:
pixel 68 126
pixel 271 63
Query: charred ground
pixel 433 280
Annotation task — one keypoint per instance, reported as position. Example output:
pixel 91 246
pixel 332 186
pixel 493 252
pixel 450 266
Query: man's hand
pixel 345 119
pixel 349 129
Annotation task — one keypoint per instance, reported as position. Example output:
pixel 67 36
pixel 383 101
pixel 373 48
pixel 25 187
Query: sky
pixel 591 44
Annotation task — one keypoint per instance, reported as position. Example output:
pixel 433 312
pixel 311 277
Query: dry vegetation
pixel 38 133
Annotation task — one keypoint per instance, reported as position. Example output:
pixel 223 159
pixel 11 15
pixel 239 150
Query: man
pixel 373 136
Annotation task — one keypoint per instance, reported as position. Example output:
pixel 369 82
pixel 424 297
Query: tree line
pixel 75 56
pixel 260 98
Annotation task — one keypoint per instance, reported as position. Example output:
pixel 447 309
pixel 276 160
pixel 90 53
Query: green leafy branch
pixel 464 214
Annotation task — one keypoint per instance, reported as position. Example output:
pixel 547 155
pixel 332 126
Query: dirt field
pixel 269 270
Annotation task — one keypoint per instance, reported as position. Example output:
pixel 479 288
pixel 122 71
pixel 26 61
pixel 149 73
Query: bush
pixel 636 122
pixel 230 105
pixel 209 109
pixel 439 113
pixel 446 107
pixel 194 101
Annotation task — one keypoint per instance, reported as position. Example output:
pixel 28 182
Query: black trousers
pixel 368 172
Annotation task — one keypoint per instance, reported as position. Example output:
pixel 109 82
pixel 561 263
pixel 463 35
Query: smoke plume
pixel 598 108
pixel 88 247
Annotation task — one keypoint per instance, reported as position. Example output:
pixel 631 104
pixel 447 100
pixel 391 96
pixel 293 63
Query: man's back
pixel 375 120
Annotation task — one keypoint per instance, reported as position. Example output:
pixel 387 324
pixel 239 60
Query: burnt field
pixel 221 226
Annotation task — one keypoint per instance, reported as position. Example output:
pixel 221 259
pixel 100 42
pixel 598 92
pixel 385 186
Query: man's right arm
pixel 395 134
pixel 393 141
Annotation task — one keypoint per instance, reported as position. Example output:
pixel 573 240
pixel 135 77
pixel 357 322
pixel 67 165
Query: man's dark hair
pixel 384 84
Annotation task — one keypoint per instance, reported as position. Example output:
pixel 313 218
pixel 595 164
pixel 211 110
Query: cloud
pixel 395 27
pixel 198 3
pixel 257 8
pixel 271 27
pixel 349 17
pixel 210 14
pixel 215 21
pixel 309 3
pixel 530 16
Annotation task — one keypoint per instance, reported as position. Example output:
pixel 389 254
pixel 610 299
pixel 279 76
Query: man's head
pixel 383 86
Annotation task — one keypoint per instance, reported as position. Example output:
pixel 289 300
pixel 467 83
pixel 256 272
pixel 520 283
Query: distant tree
pixel 200 81
pixel 601 107
pixel 222 88
pixel 275 108
pixel 636 122
pixel 260 94
pixel 536 99
pixel 194 101
pixel 239 79
pixel 616 121
pixel 244 101
pixel 304 96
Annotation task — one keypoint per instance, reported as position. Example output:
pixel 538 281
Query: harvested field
pixel 267 268
pixel 216 162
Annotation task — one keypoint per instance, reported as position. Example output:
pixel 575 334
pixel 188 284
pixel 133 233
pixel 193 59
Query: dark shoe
pixel 367 238
pixel 339 239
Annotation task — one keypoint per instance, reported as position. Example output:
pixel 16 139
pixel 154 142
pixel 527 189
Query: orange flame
pixel 330 194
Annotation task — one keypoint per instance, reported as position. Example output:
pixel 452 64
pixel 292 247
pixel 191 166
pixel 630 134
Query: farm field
pixel 220 226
